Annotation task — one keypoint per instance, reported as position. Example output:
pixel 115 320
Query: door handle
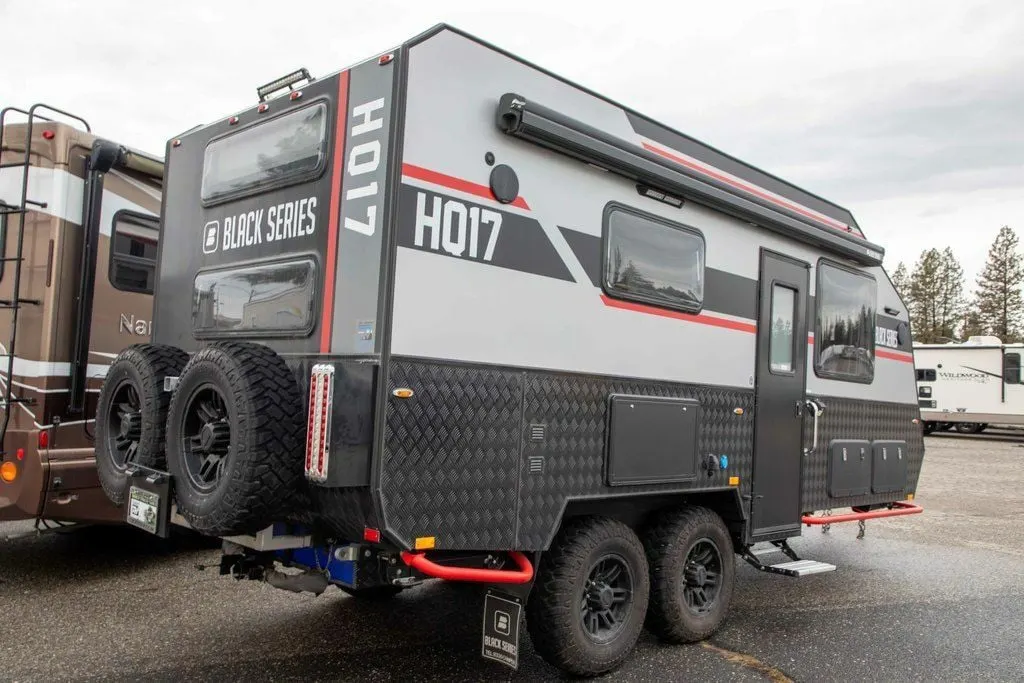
pixel 816 409
pixel 799 408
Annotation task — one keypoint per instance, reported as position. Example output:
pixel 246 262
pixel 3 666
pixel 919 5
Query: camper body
pixel 970 385
pixel 79 254
pixel 451 315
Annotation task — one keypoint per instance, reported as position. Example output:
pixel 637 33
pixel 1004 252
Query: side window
pixel 133 242
pixel 780 348
pixel 652 260
pixel 272 153
pixel 844 337
pixel 1011 368
pixel 926 375
pixel 3 237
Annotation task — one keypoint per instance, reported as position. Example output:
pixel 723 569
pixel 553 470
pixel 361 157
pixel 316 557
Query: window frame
pixel 297 333
pixel 4 224
pixel 818 371
pixel 113 257
pixel 327 144
pixel 614 293
pixel 793 337
pixel 920 374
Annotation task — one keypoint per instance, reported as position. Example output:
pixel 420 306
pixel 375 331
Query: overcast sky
pixel 908 113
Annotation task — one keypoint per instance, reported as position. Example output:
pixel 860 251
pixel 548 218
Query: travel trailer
pixel 970 385
pixel 78 236
pixel 450 315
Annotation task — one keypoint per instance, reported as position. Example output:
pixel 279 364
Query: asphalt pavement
pixel 932 597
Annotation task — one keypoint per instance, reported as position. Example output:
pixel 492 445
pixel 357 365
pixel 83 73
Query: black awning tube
pixel 546 127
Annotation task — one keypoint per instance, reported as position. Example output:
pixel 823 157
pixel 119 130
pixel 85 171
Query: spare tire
pixel 131 413
pixel 235 439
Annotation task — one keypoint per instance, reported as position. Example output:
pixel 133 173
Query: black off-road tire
pixel 553 611
pixel 142 368
pixel 927 427
pixel 263 466
pixel 668 542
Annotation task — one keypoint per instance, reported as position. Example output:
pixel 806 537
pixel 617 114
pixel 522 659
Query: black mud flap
pixel 148 501
pixel 502 617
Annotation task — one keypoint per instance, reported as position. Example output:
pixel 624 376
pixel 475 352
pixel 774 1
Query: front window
pixel 653 260
pixel 272 153
pixel 845 326
pixel 271 298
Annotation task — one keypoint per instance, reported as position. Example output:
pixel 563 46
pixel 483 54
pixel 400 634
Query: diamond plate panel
pixel 852 419
pixel 451 457
pixel 345 511
pixel 575 408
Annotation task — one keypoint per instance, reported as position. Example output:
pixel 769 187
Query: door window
pixel 780 347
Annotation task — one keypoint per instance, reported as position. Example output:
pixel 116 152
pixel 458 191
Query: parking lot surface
pixel 931 597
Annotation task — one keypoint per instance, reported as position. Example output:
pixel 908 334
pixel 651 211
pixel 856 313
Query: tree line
pixel 941 310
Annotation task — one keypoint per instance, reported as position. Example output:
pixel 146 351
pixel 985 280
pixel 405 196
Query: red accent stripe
pixel 751 189
pixel 420 173
pixel 701 318
pixel 901 356
pixel 327 315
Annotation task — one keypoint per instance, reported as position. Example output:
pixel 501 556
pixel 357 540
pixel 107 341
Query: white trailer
pixel 970 385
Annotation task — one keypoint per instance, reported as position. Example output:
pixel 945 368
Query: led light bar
pixel 318 429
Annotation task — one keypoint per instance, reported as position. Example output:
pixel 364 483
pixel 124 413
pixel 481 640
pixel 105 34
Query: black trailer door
pixel 781 375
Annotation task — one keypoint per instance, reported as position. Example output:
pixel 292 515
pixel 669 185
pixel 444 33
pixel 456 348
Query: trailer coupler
pixel 427 567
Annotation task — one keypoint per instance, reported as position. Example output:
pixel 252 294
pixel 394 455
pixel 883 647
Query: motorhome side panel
pixel 505 326
pixel 970 383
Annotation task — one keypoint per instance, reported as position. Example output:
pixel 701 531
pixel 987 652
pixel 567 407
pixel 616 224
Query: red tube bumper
pixel 420 563
pixel 898 509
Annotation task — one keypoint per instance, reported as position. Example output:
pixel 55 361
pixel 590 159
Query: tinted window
pixel 845 333
pixel 780 353
pixel 1011 368
pixel 133 243
pixel 268 154
pixel 925 375
pixel 652 260
pixel 268 297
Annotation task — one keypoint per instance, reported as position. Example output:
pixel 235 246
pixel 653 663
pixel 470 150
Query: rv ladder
pixel 16 301
pixel 796 567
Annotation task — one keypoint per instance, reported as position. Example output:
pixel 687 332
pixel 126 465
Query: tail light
pixel 318 429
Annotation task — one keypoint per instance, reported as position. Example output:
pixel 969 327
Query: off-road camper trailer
pixel 78 234
pixel 454 316
pixel 970 385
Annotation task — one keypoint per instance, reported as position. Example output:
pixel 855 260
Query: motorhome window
pixel 269 298
pixel 1011 368
pixel 845 324
pixel 780 353
pixel 652 260
pixel 925 375
pixel 133 242
pixel 3 237
pixel 270 154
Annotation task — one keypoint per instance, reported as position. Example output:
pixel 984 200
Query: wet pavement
pixel 932 597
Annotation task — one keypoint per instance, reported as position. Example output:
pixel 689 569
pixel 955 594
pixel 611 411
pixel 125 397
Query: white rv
pixel 970 385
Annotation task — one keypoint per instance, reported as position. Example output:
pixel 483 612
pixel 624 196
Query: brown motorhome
pixel 79 221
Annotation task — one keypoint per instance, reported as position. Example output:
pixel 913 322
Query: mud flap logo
pixel 501 630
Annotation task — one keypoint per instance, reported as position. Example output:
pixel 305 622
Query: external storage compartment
pixel 849 468
pixel 652 440
pixel 889 466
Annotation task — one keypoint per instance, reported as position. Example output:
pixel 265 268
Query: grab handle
pixel 816 408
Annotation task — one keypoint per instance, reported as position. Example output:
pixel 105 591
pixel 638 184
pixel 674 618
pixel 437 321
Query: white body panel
pixel 970 385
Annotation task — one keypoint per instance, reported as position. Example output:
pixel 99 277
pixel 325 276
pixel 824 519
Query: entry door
pixel 781 376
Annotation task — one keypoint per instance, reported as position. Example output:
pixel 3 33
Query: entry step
pixel 800 568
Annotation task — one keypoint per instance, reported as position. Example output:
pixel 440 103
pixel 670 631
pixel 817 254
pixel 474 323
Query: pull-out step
pixel 795 567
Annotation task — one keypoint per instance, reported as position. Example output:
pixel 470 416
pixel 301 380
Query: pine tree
pixel 901 281
pixel 973 324
pixel 1000 305
pixel 925 294
pixel 951 295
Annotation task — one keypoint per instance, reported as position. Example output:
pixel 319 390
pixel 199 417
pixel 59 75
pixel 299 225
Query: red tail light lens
pixel 318 428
